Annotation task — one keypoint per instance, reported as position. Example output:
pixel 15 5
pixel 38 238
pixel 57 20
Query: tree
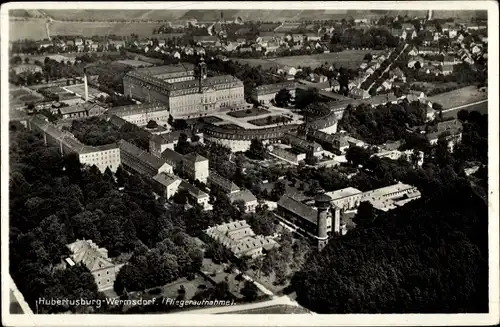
pixel 257 150
pixel 249 291
pixel 152 124
pixel 437 106
pixel 283 97
pixel 368 57
pixel 365 214
pixel 278 190
pixel 121 176
pixel 463 115
pixel 356 155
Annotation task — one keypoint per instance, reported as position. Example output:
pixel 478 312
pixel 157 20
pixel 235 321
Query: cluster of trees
pixel 177 255
pixel 96 131
pixel 111 78
pixel 373 38
pixel 54 201
pixel 429 256
pixel 262 220
pixel 257 150
pixel 384 123
pixel 114 100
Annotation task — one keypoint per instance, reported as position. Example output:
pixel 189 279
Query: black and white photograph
pixel 306 163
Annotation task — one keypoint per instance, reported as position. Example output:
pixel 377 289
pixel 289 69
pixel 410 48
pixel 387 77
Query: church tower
pixel 322 202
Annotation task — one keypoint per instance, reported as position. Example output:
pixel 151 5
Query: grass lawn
pixel 269 121
pixel 18 93
pixel 347 59
pixel 29 98
pixel 207 119
pixel 248 113
pixel 171 290
pixel 235 286
pixel 231 126
pixel 459 97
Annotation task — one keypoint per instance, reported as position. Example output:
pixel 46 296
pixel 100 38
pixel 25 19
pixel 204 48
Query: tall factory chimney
pixel 202 73
pixel 85 84
pixel 322 203
pixel 429 15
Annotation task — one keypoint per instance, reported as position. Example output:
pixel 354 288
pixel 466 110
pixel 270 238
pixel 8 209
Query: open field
pixel 88 29
pixel 480 107
pixel 33 29
pixel 109 15
pixel 459 97
pixel 207 15
pixel 18 93
pixel 432 86
pixel 248 113
pixel 347 59
pixel 80 89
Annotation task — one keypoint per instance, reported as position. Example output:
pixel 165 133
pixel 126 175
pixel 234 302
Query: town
pixel 284 164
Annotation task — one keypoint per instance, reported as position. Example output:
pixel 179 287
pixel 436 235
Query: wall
pixel 102 159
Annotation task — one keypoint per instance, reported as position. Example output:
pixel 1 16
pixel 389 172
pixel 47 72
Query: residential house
pixel 476 49
pixel 249 200
pixel 239 238
pixel 446 69
pixel 205 39
pixel 26 68
pixel 358 93
pixel 413 51
pixel 407 26
pixel 196 196
pixel 96 259
pixel 166 185
pixel 215 180
pixel 78 42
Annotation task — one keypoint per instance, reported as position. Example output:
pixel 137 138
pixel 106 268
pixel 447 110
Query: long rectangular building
pixel 141 161
pixel 184 93
pixel 101 156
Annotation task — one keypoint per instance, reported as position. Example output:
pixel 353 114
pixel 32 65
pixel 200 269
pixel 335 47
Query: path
pixel 243 121
pixel 389 67
pixel 283 300
pixel 465 106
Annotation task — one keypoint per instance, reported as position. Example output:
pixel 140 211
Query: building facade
pixel 240 239
pixel 141 114
pixel 101 156
pixel 186 94
pixel 142 162
pixel 264 94
pixel 96 260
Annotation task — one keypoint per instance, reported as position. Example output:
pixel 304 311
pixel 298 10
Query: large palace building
pixel 187 92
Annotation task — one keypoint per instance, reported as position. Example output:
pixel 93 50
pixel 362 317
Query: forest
pixel 54 201
pixel 384 123
pixel 429 256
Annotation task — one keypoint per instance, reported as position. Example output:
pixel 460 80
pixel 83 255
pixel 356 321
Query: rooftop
pixel 342 193
pixel 244 195
pixel 166 69
pixel 90 255
pixel 222 182
pixel 140 154
pixel 165 179
pixel 298 208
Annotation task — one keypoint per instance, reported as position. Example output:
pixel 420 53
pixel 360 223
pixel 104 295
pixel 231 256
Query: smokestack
pixel 85 85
